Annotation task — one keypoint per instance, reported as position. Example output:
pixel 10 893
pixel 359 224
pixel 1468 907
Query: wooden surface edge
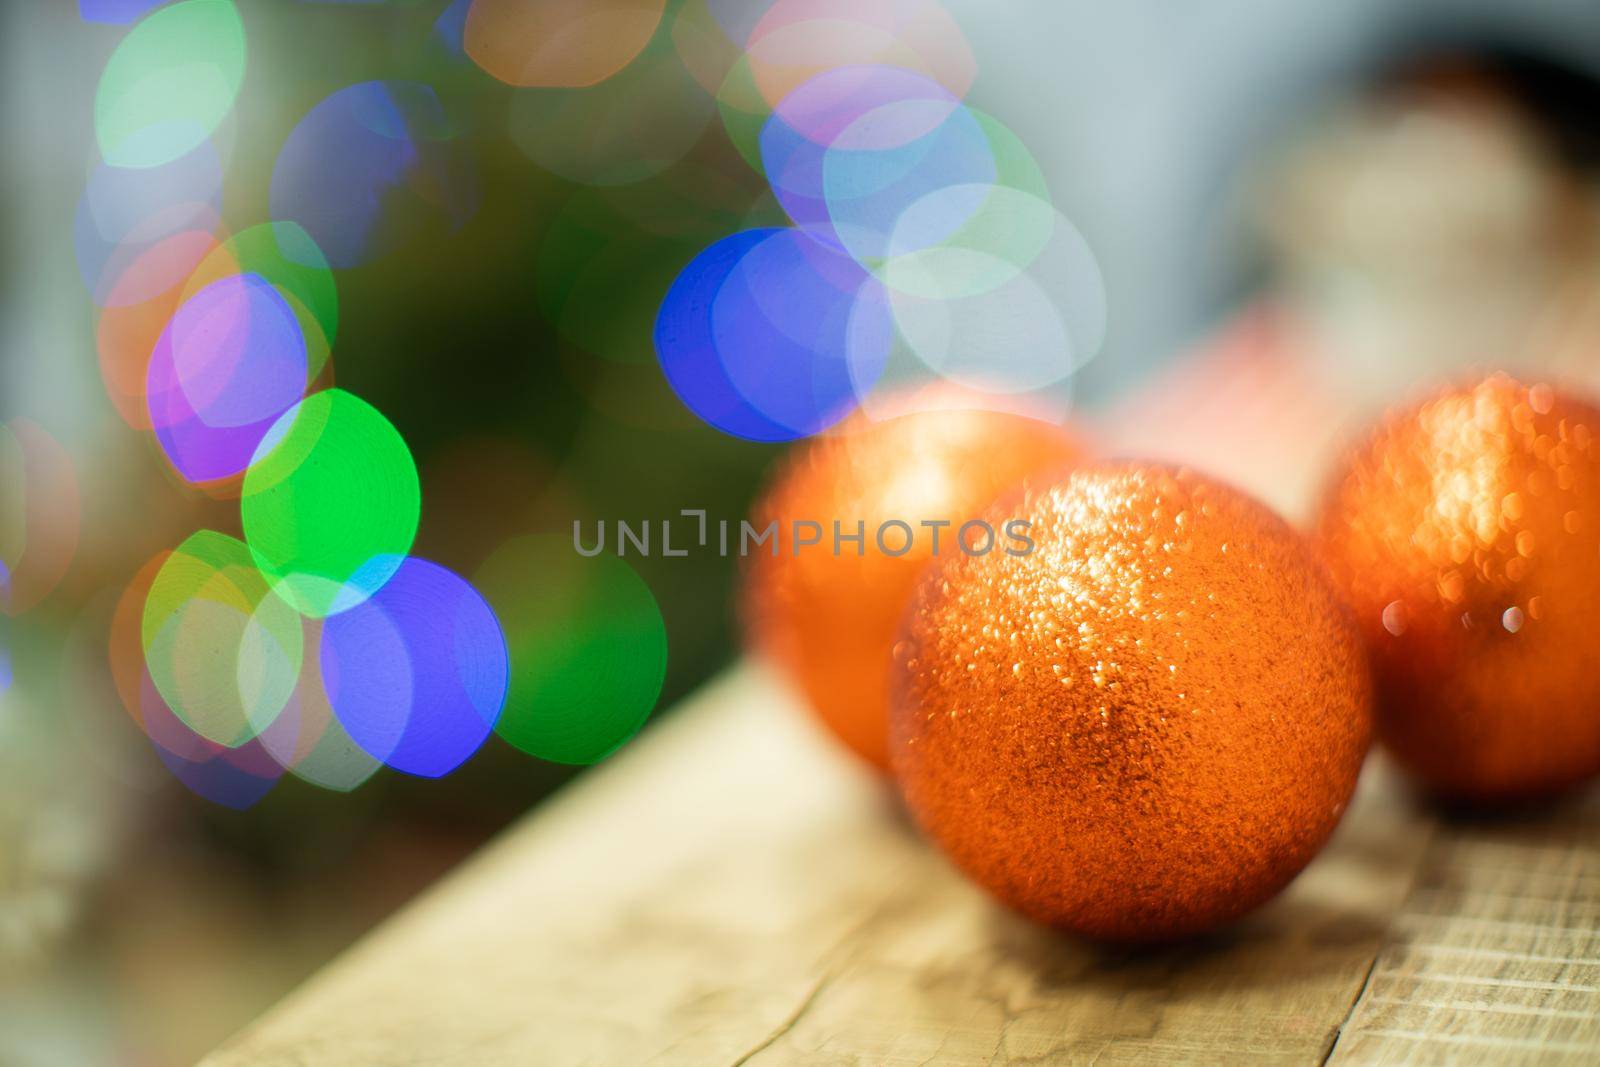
pixel 731 889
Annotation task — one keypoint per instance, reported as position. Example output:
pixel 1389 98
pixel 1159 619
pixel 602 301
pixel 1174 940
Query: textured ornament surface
pixel 830 621
pixel 1146 727
pixel 1465 535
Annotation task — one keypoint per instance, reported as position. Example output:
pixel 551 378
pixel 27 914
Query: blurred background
pixel 1291 215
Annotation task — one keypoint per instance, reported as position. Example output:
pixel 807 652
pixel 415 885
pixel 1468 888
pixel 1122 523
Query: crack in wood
pixel 789 1023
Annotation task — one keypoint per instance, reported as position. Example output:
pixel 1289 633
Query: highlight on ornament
pixel 1145 729
pixel 1465 534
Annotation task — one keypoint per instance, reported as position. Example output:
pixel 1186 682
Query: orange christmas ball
pixel 1145 727
pixel 827 613
pixel 1465 535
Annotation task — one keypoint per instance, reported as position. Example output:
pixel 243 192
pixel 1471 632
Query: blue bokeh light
pixel 417 673
pixel 371 167
pixel 772 335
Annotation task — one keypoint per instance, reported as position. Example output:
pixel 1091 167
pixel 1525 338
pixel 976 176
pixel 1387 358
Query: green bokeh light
pixel 331 503
pixel 222 651
pixel 170 83
pixel 587 643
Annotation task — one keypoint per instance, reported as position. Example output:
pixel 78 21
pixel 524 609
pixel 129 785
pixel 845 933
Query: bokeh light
pixel 587 643
pixel 417 672
pixel 772 335
pixel 884 234
pixel 794 40
pixel 855 115
pixel 990 326
pixel 235 776
pixel 736 18
pixel 868 109
pixel 371 168
pixel 39 514
pixel 450 28
pixel 568 44
pixel 125 645
pixel 851 149
pixel 5 638
pixel 13 509
pixel 128 329
pixel 789 43
pixel 229 364
pixel 115 12
pixel 167 731
pixel 307 739
pixel 139 232
pixel 705 46
pixel 222 652
pixel 626 129
pixel 330 503
pixel 170 83
pixel 220 779
pixel 743 111
pixel 285 256
pixel 962 240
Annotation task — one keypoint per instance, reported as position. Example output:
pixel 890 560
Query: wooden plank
pixel 731 890
pixel 1495 956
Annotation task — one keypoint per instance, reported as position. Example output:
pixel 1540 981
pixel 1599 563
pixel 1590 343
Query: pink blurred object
pixel 1253 406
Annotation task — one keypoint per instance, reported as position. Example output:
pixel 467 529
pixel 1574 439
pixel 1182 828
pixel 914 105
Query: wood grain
pixel 1495 956
pixel 731 890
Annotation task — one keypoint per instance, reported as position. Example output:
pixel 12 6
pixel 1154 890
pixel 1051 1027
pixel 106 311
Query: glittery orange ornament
pixel 1145 727
pixel 1465 534
pixel 828 618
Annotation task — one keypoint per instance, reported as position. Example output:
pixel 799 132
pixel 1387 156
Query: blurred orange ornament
pixel 1147 726
pixel 1465 534
pixel 829 620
